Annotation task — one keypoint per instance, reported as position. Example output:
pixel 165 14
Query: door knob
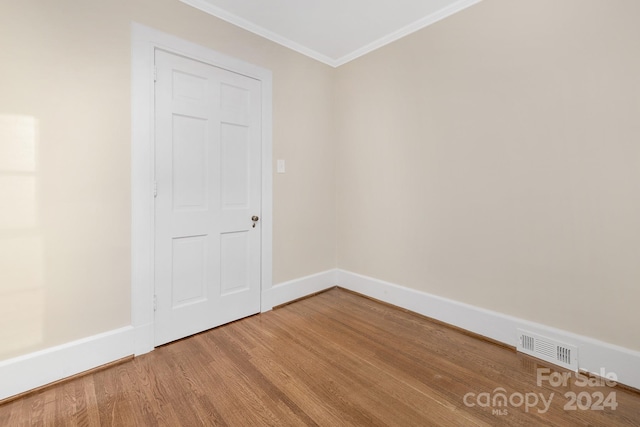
pixel 254 219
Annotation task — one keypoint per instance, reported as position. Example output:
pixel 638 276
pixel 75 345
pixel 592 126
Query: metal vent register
pixel 547 349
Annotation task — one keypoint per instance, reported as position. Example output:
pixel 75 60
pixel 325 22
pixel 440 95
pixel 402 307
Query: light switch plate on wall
pixel 281 166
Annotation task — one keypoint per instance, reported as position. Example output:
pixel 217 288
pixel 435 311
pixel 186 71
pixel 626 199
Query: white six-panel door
pixel 208 177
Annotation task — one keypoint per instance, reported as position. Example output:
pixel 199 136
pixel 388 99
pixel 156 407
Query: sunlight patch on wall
pixel 22 294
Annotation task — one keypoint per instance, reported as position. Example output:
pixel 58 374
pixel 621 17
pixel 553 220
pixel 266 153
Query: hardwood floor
pixel 335 359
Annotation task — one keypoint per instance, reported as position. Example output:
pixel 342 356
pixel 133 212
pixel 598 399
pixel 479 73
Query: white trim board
pixel 593 355
pixel 28 372
pixel 318 56
pixel 40 368
pixel 144 41
pixel 257 29
pixel 285 292
pixel 43 367
pixel 405 31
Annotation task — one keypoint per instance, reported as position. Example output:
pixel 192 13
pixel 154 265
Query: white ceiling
pixel 332 31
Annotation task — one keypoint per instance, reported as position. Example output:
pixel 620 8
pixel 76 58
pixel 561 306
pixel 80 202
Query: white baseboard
pixel 143 339
pixel 593 355
pixel 288 291
pixel 34 370
pixel 28 372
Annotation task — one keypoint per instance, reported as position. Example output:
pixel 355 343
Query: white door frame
pixel 144 42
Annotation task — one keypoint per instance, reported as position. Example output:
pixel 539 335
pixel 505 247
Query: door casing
pixel 144 42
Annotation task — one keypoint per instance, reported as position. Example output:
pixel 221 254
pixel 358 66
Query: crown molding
pixel 207 7
pixel 405 31
pixel 261 31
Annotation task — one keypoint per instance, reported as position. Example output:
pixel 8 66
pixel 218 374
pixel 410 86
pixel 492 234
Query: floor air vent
pixel 549 350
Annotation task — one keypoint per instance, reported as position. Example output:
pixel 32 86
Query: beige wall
pixel 494 159
pixel 65 160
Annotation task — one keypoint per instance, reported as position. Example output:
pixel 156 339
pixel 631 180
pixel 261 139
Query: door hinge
pixel 155 188
pixel 155 74
pixel 155 303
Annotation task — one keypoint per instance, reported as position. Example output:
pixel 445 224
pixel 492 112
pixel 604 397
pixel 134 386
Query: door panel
pixel 235 168
pixel 234 252
pixel 207 168
pixel 189 163
pixel 189 255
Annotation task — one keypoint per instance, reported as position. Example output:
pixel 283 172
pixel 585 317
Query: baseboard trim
pixel 26 373
pixel 67 379
pixel 299 288
pixel 143 339
pixel 432 320
pixel 593 355
pixel 275 307
pixel 34 370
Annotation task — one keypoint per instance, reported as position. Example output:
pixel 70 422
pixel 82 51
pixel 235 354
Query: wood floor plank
pixel 322 372
pixel 91 413
pixel 335 359
pixel 515 381
pixel 316 383
pixel 154 395
pixel 344 346
pixel 441 377
pixel 298 377
pixel 15 416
